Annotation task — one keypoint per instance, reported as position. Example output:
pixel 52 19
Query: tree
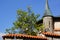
pixel 25 23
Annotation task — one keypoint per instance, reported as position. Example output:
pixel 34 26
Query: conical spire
pixel 47 9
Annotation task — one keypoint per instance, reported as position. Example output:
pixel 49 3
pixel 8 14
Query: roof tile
pixel 24 35
pixel 51 34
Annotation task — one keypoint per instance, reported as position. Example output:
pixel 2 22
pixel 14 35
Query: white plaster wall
pixel 12 39
pixel 49 38
pixel 19 39
pixel 56 25
pixel 57 32
pixel 56 38
pixel 8 39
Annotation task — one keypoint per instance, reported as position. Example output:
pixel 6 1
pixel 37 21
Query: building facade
pixel 51 28
pixel 50 22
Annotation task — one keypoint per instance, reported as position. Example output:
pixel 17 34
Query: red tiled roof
pixel 23 35
pixel 51 34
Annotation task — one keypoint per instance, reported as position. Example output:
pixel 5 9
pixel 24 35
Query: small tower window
pixel 49 24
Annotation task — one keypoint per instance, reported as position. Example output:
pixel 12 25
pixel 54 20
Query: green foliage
pixel 40 27
pixel 25 23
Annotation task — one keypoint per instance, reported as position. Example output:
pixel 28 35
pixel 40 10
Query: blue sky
pixel 8 10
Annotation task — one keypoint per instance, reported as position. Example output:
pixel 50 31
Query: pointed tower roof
pixel 47 10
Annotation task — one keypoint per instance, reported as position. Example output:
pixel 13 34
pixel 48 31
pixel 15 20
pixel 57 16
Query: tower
pixel 48 19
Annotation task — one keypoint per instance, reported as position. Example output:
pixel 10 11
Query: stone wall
pixel 48 23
